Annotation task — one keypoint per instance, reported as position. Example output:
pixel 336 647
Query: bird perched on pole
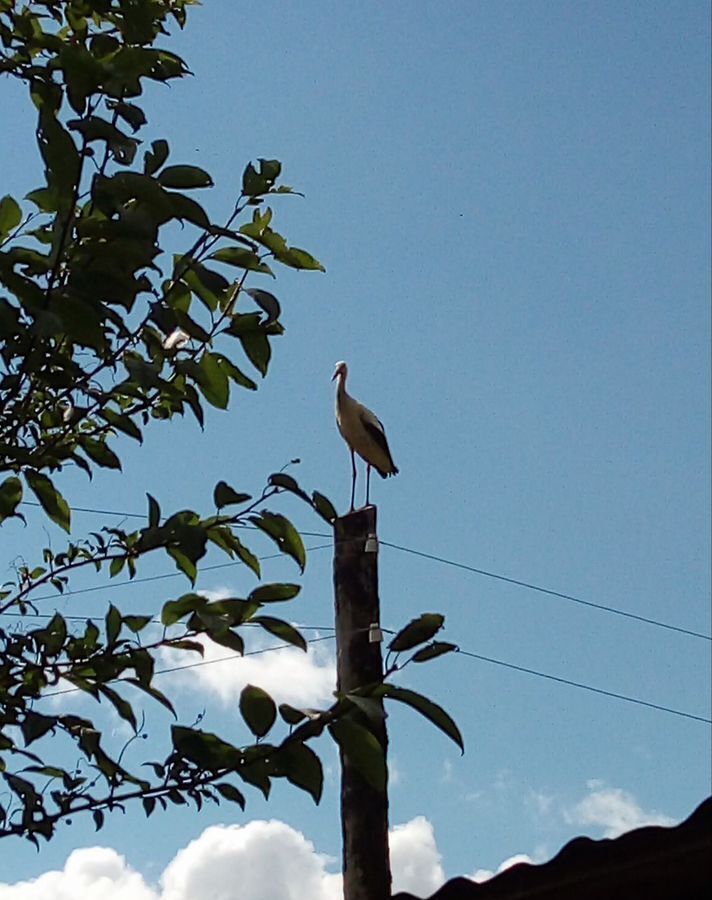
pixel 363 433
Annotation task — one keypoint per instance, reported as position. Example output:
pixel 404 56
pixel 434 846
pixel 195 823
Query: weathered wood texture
pixel 364 810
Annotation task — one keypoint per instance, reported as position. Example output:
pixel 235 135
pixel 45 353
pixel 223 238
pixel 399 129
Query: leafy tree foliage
pixel 98 340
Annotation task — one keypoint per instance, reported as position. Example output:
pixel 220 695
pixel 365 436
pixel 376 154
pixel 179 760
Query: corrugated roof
pixel 651 863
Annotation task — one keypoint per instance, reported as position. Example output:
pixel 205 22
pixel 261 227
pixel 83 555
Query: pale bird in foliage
pixel 363 432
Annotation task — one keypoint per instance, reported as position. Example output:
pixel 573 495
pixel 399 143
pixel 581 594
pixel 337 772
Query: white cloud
pixel 485 874
pixel 540 802
pixel 270 860
pixel 262 860
pixel 257 861
pixel 614 810
pixel 395 773
pixel 415 858
pixel 288 674
pixel 88 873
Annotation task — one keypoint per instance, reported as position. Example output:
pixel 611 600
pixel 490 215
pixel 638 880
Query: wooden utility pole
pixel 364 809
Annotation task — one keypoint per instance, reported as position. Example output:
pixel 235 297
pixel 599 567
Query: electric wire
pixel 584 687
pixel 439 559
pixel 203 662
pixel 460 652
pixel 442 561
pixel 148 578
pixel 551 593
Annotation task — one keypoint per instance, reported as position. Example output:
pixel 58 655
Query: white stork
pixel 363 433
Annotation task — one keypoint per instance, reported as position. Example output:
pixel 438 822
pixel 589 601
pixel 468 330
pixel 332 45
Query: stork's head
pixel 340 369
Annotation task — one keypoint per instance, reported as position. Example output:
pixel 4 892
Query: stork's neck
pixel 341 384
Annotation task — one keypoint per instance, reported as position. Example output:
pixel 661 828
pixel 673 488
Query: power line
pixel 468 653
pixel 434 558
pixel 205 662
pixel 584 687
pixel 157 621
pixel 551 593
pixel 98 512
pixel 148 578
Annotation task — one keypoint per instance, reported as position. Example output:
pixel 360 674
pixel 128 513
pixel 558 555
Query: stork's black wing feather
pixel 379 436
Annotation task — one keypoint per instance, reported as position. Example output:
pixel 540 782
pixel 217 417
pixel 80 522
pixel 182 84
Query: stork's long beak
pixel 333 377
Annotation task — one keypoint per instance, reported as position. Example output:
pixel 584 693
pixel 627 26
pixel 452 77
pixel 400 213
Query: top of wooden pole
pixel 356 524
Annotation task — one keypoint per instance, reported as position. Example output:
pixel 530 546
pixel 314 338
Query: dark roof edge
pixel 654 862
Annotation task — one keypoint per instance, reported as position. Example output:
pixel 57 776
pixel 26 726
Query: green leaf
pixel 155 157
pixel 94 128
pixel 283 533
pixel 371 708
pixel 53 636
pixel 213 382
pixel 362 749
pixel 185 177
pixel 208 285
pixel 186 209
pixel 113 624
pixel 434 713
pixel 205 749
pixel 287 483
pixel 299 259
pixel 191 327
pixel 232 610
pixel 174 610
pixel 122 422
pixel 417 631
pixel 136 623
pixel 154 512
pixel 255 183
pixel 324 507
pixel 248 558
pixel 116 566
pixel 227 638
pixel 46 199
pixel 237 375
pixel 230 792
pixel 193 646
pixel 258 710
pixel 274 593
pixel 302 768
pixel 131 114
pixel 290 714
pixel 145 374
pixel 59 152
pixel 10 497
pixel 432 651
pixel 51 501
pixel 282 630
pixel 224 495
pixel 99 453
pixel 10 215
pixel 153 692
pixel 267 302
pixel 34 725
pixel 257 349
pixel 122 706
pixel 256 770
pixel 242 258
pixel 82 73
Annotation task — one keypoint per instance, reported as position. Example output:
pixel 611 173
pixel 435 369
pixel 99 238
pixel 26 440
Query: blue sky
pixel 512 202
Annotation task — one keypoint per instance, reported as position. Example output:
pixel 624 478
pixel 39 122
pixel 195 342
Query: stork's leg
pixel 353 480
pixel 368 481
